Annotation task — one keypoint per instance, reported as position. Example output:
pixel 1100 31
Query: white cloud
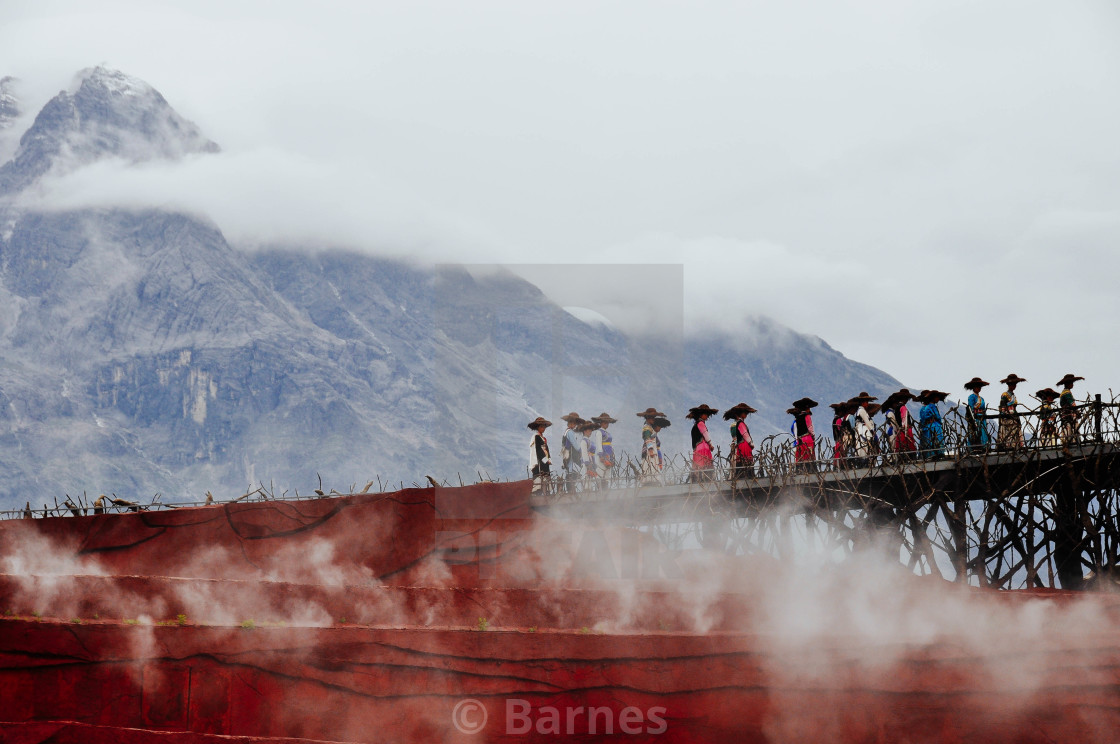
pixel 929 187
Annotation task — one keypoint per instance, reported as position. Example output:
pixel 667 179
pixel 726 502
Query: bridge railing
pixel 1094 421
pixel 774 457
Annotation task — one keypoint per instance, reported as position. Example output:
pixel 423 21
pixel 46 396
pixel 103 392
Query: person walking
pixel 976 411
pixel 589 471
pixel 1047 417
pixel 651 446
pixel 899 420
pixel 742 444
pixel 603 445
pixel 865 446
pixel 540 463
pixel 804 433
pixel 1068 407
pixel 1010 434
pixel 570 451
pixel 930 427
pixel 842 433
pixel 702 448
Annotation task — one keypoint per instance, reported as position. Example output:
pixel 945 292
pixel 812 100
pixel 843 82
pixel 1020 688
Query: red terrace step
pixel 91 599
pixel 413 563
pixel 383 536
pixel 72 732
pixel 408 685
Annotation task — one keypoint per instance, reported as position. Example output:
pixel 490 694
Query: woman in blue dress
pixel 978 436
pixel 929 424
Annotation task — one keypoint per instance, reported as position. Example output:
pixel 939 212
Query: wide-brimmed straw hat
pixel 539 421
pixel 573 416
pixel 1013 378
pixel 650 413
pixel 895 399
pixel 805 403
pixel 932 396
pixel 701 410
pixel 1069 380
pixel 588 426
pixel 661 422
pixel 864 396
pixel 838 407
pixel 975 384
pixel 1048 394
pixel 901 398
pixel 736 409
pixel 604 418
pixel 873 408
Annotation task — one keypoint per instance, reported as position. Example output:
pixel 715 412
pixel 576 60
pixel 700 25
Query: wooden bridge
pixel 1044 514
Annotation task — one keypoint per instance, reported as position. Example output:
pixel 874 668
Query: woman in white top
pixel 865 429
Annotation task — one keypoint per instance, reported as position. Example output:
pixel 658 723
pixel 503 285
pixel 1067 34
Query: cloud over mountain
pixel 141 351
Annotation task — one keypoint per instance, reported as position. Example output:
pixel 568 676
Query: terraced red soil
pixel 371 618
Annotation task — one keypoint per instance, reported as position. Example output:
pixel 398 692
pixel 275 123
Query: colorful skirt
pixel 702 456
pixel 805 449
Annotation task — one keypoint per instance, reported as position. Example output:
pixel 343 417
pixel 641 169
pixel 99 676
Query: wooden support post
pixel 1069 532
pixel 1097 406
pixel 958 528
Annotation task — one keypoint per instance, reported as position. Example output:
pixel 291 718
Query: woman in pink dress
pixel 901 423
pixel 742 444
pixel 803 431
pixel 842 432
pixel 701 441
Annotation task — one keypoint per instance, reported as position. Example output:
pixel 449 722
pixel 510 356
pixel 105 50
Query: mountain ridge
pixel 141 352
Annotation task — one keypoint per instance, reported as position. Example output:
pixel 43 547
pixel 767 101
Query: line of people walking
pixel 588 453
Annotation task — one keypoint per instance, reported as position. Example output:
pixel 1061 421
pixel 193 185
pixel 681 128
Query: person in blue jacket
pixel 929 424
pixel 978 437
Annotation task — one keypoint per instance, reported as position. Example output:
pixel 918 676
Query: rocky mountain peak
pixel 105 114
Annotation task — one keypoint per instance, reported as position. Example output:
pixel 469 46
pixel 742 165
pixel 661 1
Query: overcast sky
pixel 931 187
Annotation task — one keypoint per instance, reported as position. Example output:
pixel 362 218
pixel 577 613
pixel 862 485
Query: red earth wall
pixel 372 617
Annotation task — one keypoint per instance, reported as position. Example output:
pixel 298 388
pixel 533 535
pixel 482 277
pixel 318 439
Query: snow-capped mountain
pixel 105 114
pixel 140 352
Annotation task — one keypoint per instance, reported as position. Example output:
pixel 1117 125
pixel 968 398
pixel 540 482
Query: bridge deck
pixel 895 483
